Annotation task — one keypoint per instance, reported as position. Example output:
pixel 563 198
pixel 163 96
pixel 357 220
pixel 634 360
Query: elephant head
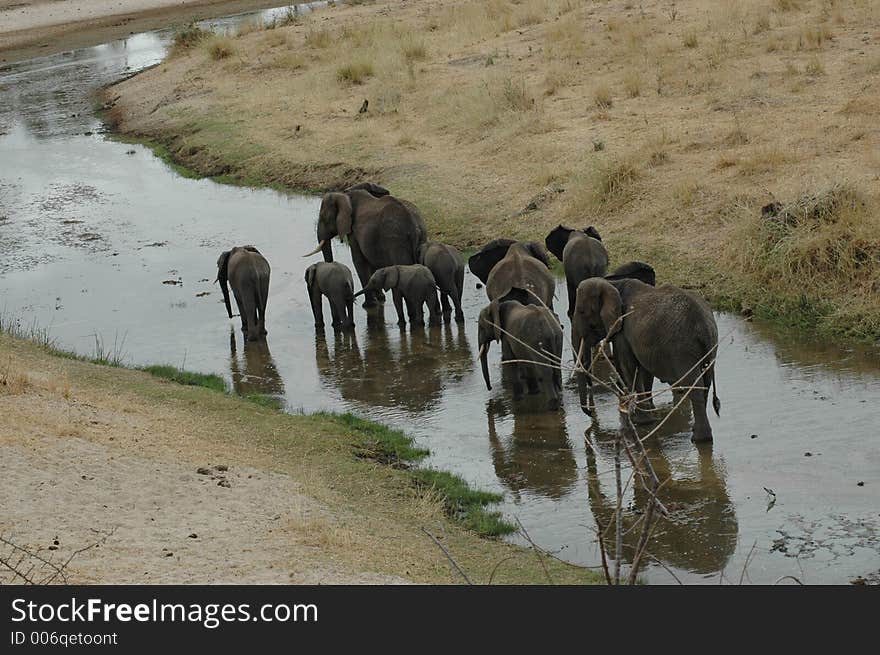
pixel 385 278
pixel 482 262
pixel 334 219
pixel 489 329
pixel 223 278
pixel 635 270
pixel 559 236
pixel 597 314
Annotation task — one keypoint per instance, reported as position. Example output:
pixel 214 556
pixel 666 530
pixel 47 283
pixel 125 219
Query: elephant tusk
pixel 359 293
pixel 316 250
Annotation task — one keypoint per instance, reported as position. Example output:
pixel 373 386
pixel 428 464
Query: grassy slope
pixel 379 510
pixel 667 125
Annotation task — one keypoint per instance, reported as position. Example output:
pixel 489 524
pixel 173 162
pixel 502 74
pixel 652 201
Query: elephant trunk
pixel 484 364
pixel 327 250
pixel 225 289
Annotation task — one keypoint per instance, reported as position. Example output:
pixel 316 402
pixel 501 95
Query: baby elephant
pixel 245 270
pixel 412 283
pixel 447 266
pixel 333 280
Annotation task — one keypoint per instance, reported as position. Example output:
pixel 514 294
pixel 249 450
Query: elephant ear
pixel 343 214
pixel 610 310
pixel 371 188
pixel 391 277
pixel 557 239
pixel 482 263
pixel 592 232
pixel 311 271
pixel 537 252
pixel 634 270
pixel 223 278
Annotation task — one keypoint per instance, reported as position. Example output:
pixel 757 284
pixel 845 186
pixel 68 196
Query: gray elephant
pixel 447 266
pixel 333 280
pixel 247 272
pixel 531 340
pixel 381 231
pixel 663 332
pixel 515 270
pixel 413 284
pixel 582 255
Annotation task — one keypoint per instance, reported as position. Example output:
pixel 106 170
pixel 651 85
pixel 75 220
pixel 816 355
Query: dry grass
pixel 220 47
pixel 483 86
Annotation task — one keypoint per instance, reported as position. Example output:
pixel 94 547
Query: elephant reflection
pixel 537 456
pixel 255 372
pixel 344 368
pixel 700 534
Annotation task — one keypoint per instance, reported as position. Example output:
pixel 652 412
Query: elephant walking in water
pixel 245 270
pixel 531 342
pixel 582 255
pixel 380 230
pixel 413 284
pixel 515 270
pixel 447 266
pixel 663 332
pixel 333 280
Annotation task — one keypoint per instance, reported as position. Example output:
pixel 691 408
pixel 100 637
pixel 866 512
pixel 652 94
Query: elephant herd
pixel 662 332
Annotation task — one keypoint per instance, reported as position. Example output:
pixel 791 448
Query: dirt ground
pixel 31 28
pixel 182 484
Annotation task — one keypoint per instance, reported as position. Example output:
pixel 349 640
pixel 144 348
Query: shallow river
pixel 102 242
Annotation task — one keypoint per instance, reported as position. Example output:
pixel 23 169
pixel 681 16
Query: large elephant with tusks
pixel 380 230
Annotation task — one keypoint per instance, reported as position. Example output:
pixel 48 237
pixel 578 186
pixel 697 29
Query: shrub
pixel 354 73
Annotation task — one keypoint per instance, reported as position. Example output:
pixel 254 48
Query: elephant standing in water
pixel 582 255
pixel 247 272
pixel 447 266
pixel 531 341
pixel 413 284
pixel 513 270
pixel 664 332
pixel 333 280
pixel 381 231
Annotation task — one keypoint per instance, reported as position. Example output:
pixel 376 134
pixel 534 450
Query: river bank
pixel 184 484
pixel 31 28
pixel 668 132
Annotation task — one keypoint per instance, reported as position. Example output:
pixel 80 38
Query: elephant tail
pixel 709 379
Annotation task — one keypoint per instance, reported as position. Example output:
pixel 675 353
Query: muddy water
pixel 106 245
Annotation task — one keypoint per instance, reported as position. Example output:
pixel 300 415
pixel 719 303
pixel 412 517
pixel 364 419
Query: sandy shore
pixel 33 27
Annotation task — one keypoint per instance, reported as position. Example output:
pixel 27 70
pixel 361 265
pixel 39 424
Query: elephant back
pixel 523 273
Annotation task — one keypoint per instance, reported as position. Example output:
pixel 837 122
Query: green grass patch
pixel 464 504
pixel 265 400
pixel 379 442
pixel 174 374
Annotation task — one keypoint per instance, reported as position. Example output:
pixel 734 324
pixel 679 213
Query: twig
pixel 537 550
pixel 448 556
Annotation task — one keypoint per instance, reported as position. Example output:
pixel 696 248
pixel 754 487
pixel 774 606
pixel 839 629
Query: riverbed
pixel 115 253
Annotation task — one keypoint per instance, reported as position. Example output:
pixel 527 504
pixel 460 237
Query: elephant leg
pixel 644 385
pixel 434 314
pixel 336 312
pixel 317 307
pixel 242 311
pixel 628 368
pixel 456 296
pixel 263 299
pixel 248 310
pixel 364 271
pixel 445 304
pixel 398 305
pixel 349 312
pixel 414 310
pixel 699 400
pixel 572 297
